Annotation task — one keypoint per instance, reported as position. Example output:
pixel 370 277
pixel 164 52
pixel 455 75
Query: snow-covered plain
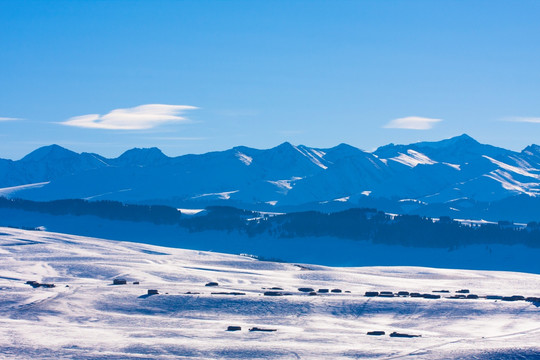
pixel 85 316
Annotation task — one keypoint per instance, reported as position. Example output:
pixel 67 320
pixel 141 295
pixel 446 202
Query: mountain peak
pixel 532 149
pixel 463 137
pixel 285 145
pixel 142 156
pixel 343 149
pixel 459 140
pixel 50 152
pixel 344 146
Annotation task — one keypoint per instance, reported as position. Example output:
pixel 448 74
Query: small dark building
pixel 119 282
pixel 403 293
pixel 308 290
pixel 212 283
pixel 234 328
pixel 396 334
pixel 273 293
pixel 415 295
pixel 371 293
pixel 312 293
pixel 472 296
pixel 228 293
pixel 36 284
pixel 135 283
pixel 431 296
pixel 376 333
pixel 153 292
pixel 33 283
pixel 386 294
pixel 261 329
pixel 494 297
pixel 323 291
pixel 463 291
pixel 337 291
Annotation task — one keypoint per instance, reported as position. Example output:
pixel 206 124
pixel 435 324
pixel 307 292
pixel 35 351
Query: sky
pixel 198 76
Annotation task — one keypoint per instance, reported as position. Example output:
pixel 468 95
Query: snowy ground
pixel 85 316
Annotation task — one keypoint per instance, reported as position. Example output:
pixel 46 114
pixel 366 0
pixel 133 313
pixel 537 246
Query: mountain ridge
pixel 463 138
pixel 285 176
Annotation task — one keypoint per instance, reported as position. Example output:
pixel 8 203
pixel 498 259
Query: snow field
pixel 86 317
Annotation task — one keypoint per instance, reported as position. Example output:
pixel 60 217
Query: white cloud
pixel 534 120
pixel 9 119
pixel 413 123
pixel 136 118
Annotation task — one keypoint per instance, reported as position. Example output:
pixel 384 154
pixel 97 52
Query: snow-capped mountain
pixel 454 172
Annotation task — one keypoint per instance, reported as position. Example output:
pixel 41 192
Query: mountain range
pixel 457 177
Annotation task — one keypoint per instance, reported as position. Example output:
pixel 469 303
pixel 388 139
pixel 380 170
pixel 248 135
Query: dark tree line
pixel 355 224
pixel 405 230
pixel 112 210
pixel 219 218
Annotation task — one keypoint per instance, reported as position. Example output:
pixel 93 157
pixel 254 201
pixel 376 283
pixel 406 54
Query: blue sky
pixel 197 76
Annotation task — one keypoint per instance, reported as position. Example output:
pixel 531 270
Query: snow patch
pixel 190 211
pixel 315 156
pixel 13 189
pixel 285 185
pixel 282 184
pixel 104 194
pixel 226 195
pixel 366 192
pixel 247 160
pixel 414 201
pixel 455 166
pixel 457 199
pixel 98 159
pixel 413 158
pixel 474 222
pixel 524 171
pixel 509 183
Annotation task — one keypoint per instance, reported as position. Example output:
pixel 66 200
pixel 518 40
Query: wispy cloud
pixel 533 120
pixel 136 118
pixel 9 119
pixel 412 123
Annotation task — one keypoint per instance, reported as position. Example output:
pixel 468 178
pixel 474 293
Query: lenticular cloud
pixel 413 123
pixel 136 118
